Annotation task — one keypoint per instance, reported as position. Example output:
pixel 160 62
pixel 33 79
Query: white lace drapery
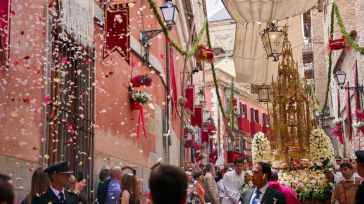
pixel 77 19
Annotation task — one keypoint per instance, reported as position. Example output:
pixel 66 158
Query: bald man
pixel 110 192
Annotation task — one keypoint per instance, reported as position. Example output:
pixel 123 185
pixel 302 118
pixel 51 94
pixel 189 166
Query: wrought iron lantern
pixel 170 12
pixel 272 38
pixel 340 78
pixel 264 93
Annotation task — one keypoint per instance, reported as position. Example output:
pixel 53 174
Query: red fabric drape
pixel 173 78
pixel 196 118
pixel 255 127
pixel 204 137
pixel 190 103
pixel 356 84
pixel 348 112
pixel 244 124
pixel 116 30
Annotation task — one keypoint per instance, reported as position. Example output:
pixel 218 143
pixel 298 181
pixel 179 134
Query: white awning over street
pixel 250 58
pixel 244 11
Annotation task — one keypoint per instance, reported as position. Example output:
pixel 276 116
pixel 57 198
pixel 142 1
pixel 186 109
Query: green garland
pixel 352 43
pixel 214 73
pixel 330 61
pixel 165 30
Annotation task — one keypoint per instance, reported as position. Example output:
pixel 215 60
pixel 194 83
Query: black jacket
pixel 49 196
pixel 359 196
pixel 270 196
pixel 102 191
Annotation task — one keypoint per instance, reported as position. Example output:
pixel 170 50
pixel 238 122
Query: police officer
pixel 59 175
pixel 359 197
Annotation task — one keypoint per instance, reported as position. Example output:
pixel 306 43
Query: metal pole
pixel 168 132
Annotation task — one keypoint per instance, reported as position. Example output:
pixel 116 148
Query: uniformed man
pixel 359 197
pixel 59 175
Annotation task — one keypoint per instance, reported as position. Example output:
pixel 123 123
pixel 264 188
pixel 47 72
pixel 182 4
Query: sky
pixel 213 6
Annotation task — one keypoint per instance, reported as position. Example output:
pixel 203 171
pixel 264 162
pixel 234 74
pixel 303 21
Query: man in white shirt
pixel 233 181
pixel 262 193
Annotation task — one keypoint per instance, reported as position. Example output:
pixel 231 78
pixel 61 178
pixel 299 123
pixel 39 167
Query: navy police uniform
pixel 65 197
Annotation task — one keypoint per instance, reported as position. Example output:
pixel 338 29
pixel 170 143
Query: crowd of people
pixel 205 184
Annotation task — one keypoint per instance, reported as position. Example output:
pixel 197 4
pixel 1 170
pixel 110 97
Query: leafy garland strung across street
pixel 189 53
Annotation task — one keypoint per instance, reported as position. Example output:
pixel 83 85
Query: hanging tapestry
pixel 116 30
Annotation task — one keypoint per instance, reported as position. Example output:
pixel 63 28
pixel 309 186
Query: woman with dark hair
pixel 40 184
pixel 198 176
pixel 130 191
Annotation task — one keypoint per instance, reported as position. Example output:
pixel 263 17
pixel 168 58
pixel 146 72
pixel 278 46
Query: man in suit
pixel 262 193
pixel 359 197
pixel 212 195
pixel 59 175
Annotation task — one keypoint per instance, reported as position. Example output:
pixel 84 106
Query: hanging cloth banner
pixel 348 112
pixel 4 31
pixel 196 118
pixel 190 103
pixel 116 30
pixel 173 78
pixel 141 122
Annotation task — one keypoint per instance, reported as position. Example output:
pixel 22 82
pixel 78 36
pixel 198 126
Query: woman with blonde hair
pixel 130 190
pixel 40 184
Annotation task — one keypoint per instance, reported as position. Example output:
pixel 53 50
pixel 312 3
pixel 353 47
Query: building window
pixel 265 118
pixel 243 110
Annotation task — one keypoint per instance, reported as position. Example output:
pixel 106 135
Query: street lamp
pixel 272 38
pixel 170 12
pixel 264 94
pixel 170 15
pixel 340 78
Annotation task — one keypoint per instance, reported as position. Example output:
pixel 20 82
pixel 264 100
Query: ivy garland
pixel 165 30
pixel 214 73
pixel 330 61
pixel 352 43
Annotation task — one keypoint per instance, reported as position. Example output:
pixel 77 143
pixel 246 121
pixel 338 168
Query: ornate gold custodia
pixel 291 111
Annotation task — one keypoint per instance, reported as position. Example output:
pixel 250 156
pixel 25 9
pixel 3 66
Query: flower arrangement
pixel 359 114
pixel 261 151
pixel 358 125
pixel 189 143
pixel 137 98
pixel 337 130
pixel 338 121
pixel 308 184
pixel 321 150
pixel 141 80
pixel 190 129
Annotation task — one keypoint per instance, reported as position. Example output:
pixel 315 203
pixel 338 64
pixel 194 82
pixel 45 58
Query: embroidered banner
pixel 116 30
pixel 348 112
pixel 196 118
pixel 190 104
